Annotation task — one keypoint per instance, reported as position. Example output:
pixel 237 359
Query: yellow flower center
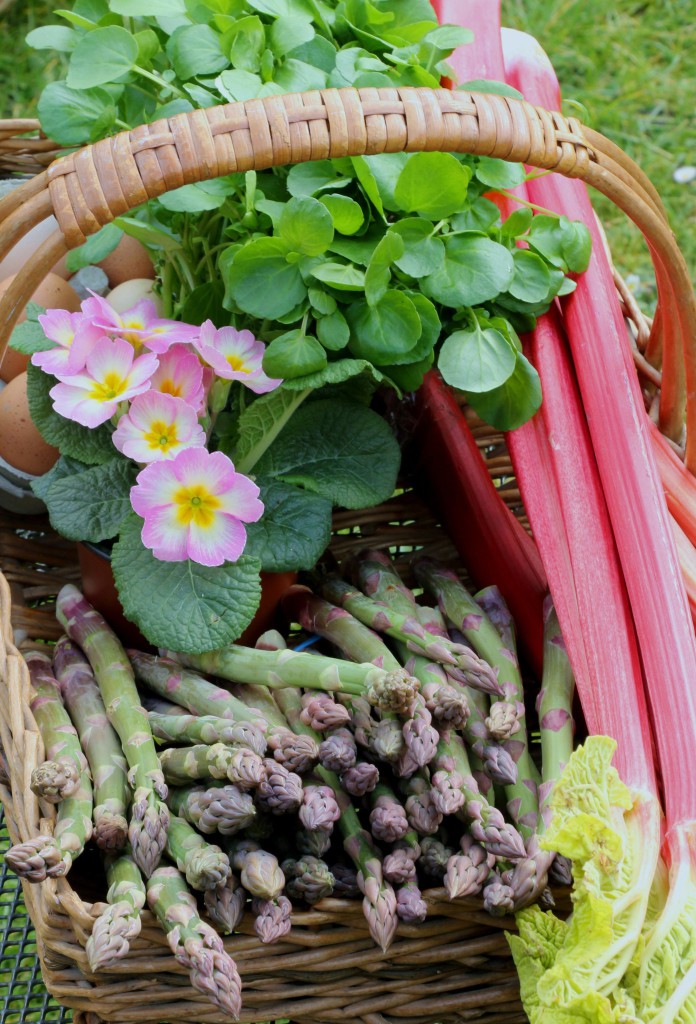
pixel 237 364
pixel 109 389
pixel 168 387
pixel 161 435
pixel 195 505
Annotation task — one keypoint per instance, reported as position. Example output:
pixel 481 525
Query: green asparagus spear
pixel 193 942
pixel 222 808
pixel 182 765
pixel 59 776
pixel 116 928
pixel 99 742
pixel 225 904
pixel 192 729
pixel 260 872
pixel 206 866
pixel 388 821
pixel 308 879
pixel 379 579
pixel 147 830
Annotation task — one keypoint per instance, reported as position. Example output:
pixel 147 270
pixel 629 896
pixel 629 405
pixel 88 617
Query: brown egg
pixel 125 296
pixel 52 293
pixel 25 248
pixel 128 260
pixel 21 444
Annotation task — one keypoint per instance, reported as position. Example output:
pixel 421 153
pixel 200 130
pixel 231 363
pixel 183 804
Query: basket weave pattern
pixel 456 966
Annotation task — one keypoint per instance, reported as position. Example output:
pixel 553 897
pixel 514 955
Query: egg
pixel 52 293
pixel 130 259
pixel 24 249
pixel 21 444
pixel 126 295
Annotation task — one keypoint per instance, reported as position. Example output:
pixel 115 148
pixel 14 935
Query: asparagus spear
pixel 554 706
pixel 308 879
pixel 468 869
pixel 388 820
pixel 205 866
pixel 400 863
pixel 272 919
pixel 241 766
pixel 345 881
pixel 423 815
pixel 279 791
pixel 319 809
pixel 411 908
pixel 193 942
pixel 297 750
pixel 378 579
pixel 100 743
pixel 59 776
pixel 321 712
pixel 461 609
pixel 316 844
pixel 193 729
pixel 115 929
pixel 488 826
pixel 225 903
pixel 260 872
pixel 223 808
pixel 390 691
pixel 52 856
pixel 460 662
pixel 360 779
pixel 498 897
pixel 434 857
pixel 147 830
pixel 338 752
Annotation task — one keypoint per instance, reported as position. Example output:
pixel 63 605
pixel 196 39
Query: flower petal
pixel 222 541
pixel 242 500
pixel 164 535
pixel 155 487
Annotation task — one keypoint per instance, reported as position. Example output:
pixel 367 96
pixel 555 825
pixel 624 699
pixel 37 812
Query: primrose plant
pixel 132 400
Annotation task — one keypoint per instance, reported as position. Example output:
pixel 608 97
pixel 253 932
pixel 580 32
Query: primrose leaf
pixel 306 226
pixel 261 421
pixel 294 531
pixel 92 504
pixel 293 354
pixel 196 50
pixel 101 56
pixel 96 248
pixel 423 253
pixel 433 185
pixel 346 214
pixel 475 270
pixel 183 606
pixel 513 403
pixel 476 360
pixel 72 116
pixel 261 282
pixel 338 449
pixel 335 374
pixel 92 445
pixel 499 173
pixel 384 331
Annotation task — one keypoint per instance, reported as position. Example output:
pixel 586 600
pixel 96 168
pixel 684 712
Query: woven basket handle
pixel 89 188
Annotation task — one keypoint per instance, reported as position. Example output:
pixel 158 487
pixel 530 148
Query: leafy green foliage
pixel 295 529
pixel 89 502
pixel 96 248
pixel 183 605
pixel 28 336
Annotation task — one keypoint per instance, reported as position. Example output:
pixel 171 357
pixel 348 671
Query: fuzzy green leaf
pixel 183 606
pixel 88 444
pixel 295 529
pixel 91 504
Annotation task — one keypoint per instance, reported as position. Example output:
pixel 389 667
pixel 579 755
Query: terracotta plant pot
pixel 100 590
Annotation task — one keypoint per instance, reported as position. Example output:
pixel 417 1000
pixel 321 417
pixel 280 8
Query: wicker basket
pixel 23 146
pixel 456 966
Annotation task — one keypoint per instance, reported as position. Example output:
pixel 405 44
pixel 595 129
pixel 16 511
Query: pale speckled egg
pixel 130 259
pixel 52 293
pixel 126 295
pixel 20 254
pixel 21 444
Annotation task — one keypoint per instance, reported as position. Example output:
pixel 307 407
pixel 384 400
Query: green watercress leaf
pixel 101 56
pixel 346 214
pixel 338 449
pixel 480 215
pixel 196 50
pixel 28 336
pixel 92 504
pixel 183 606
pixel 321 302
pixel 477 359
pixel 514 402
pixel 333 331
pixel 52 37
pixel 96 248
pixel 378 273
pixel 245 41
pixel 384 331
pixel 236 85
pixel 489 85
pixel 71 116
pixel 499 174
pixel 298 76
pixel 308 179
pixel 532 279
pixel 195 198
pixel 155 8
pixel 294 531
pixel 261 282
pixel 475 270
pixel 576 245
pixel 335 374
pixel 289 32
pixel 423 253
pixel 342 276
pixel 386 169
pixel 306 226
pixel 92 445
pixel 433 185
pixel 518 223
pixel 293 354
pixel 368 182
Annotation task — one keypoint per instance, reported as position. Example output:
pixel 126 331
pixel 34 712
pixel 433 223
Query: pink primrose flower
pixel 75 337
pixel 112 374
pixel 195 506
pixel 180 374
pixel 235 355
pixel 158 427
pixel 139 325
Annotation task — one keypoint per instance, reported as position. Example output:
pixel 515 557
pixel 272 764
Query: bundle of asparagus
pixel 399 758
